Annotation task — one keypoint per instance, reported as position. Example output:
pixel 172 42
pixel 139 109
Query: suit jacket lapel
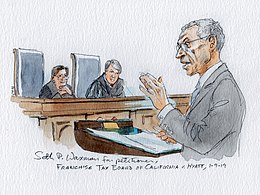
pixel 208 85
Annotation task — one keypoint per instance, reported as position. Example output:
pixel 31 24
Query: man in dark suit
pixel 214 120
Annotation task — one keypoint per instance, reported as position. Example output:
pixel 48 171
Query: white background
pixel 142 35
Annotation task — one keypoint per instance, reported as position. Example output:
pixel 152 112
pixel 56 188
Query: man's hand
pixel 154 89
pixel 165 137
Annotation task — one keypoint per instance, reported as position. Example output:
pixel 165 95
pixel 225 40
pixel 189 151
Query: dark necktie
pixel 195 93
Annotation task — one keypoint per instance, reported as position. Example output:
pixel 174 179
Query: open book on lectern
pixel 136 138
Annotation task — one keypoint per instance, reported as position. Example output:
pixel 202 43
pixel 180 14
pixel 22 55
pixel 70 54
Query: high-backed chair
pixel 85 69
pixel 28 72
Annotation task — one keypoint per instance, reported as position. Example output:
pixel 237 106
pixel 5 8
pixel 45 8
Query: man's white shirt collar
pixel 209 72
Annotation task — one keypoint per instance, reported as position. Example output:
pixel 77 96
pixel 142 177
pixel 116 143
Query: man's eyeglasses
pixel 185 45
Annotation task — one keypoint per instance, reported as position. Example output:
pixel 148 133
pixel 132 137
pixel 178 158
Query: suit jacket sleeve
pixel 223 116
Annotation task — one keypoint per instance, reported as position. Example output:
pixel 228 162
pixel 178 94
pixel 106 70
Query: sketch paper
pixel 142 36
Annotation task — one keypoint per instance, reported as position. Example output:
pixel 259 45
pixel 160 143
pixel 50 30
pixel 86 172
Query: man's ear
pixel 212 43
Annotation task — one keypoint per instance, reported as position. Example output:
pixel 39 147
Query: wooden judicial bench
pixel 62 113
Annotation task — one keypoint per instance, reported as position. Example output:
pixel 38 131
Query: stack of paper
pixel 145 141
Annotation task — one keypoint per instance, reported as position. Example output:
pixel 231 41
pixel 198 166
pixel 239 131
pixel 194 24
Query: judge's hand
pixel 154 89
pixel 165 137
pixel 64 90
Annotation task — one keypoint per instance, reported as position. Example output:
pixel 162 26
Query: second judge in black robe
pixel 108 85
